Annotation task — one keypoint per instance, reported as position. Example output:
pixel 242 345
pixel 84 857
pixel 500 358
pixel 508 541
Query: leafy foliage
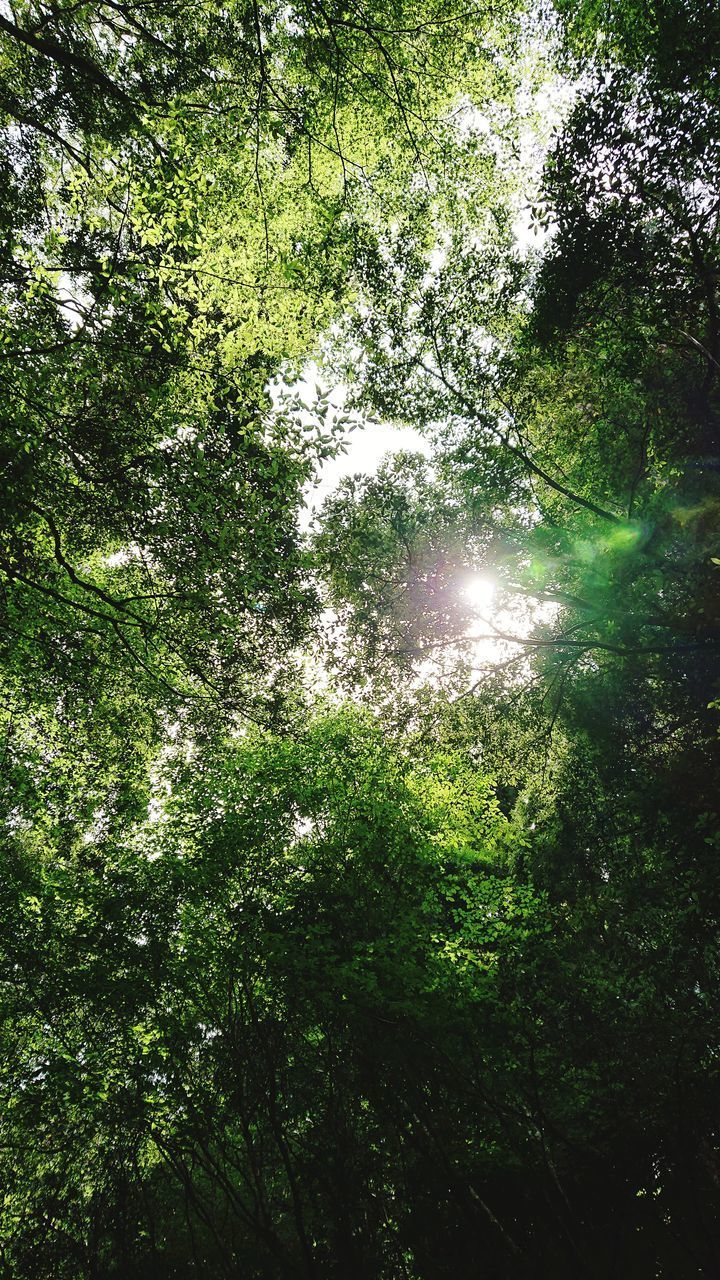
pixel 359 895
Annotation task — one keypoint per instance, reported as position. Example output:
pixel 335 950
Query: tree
pixel 359 908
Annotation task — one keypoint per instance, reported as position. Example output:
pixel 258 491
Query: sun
pixel 479 592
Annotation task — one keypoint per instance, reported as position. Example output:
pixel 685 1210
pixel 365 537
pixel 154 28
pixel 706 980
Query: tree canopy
pixel 359 906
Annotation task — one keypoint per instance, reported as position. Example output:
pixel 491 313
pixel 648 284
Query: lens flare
pixel 479 592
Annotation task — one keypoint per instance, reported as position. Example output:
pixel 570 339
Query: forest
pixel 359 894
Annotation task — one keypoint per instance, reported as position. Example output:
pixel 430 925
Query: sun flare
pixel 479 593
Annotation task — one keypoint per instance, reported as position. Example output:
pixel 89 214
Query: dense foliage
pixel 359 906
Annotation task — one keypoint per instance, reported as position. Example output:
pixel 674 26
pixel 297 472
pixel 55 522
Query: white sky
pixel 363 452
pixel 364 446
